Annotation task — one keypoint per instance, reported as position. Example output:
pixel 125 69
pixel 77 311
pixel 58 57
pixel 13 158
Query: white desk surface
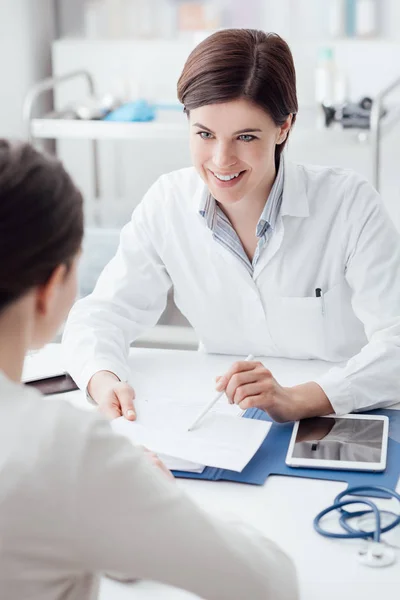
pixel 283 508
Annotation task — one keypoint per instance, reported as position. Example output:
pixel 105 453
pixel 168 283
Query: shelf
pixel 173 126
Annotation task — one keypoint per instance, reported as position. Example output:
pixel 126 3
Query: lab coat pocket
pixel 344 332
pixel 312 327
pixel 296 326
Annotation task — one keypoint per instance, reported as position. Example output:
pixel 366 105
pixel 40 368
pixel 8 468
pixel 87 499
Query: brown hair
pixel 242 63
pixel 41 219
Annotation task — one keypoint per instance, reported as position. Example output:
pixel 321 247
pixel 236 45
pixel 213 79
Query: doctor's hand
pixel 114 397
pixel 250 385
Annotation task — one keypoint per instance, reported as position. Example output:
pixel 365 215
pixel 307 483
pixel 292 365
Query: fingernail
pixel 130 413
pixel 220 385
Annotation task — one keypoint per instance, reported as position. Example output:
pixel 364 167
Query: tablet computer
pixel 56 384
pixel 352 442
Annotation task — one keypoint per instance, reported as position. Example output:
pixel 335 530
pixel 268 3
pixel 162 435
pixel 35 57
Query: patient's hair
pixel 241 63
pixel 41 219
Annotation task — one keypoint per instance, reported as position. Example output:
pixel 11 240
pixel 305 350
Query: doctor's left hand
pixel 250 385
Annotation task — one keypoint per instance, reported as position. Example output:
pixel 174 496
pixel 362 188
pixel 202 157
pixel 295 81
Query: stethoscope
pixel 375 553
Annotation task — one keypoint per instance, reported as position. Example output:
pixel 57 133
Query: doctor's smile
pixel 228 180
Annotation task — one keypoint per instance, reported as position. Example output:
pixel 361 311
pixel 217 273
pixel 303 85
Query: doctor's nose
pixel 223 157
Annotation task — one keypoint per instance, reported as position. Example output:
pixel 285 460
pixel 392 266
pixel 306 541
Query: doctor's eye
pixel 245 137
pixel 205 135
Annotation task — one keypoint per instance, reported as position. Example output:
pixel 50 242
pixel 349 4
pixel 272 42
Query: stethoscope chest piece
pixel 376 554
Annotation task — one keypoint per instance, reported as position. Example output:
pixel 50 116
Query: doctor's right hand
pixel 114 397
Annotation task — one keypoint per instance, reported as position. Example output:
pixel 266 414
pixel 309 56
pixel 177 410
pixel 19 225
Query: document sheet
pixel 219 440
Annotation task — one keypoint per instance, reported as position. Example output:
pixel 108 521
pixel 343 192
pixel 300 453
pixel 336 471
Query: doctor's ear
pixel 284 129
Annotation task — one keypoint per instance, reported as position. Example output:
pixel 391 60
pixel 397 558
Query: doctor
pixel 265 256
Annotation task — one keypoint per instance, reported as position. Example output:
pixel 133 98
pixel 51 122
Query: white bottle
pixel 325 76
pixel 337 18
pixel 115 21
pixel 94 19
pixel 147 24
pixel 366 18
pixel 341 88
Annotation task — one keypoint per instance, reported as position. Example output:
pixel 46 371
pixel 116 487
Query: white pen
pixel 211 404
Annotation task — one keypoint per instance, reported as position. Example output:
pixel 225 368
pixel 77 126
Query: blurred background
pixel 95 82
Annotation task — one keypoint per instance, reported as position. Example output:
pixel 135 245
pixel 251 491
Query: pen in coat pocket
pixel 319 294
pixel 211 404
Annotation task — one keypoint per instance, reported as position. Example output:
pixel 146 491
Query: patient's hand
pixel 155 460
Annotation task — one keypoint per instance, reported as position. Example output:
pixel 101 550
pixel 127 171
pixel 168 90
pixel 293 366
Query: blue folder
pixel 270 459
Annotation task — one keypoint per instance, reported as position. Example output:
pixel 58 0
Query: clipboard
pixel 270 459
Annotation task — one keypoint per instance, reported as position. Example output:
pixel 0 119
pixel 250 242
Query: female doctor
pixel 265 256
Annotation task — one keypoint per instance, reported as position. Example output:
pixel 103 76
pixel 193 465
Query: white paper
pixel 219 440
pixel 178 464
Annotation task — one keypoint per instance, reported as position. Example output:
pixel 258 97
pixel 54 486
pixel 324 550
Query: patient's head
pixel 41 229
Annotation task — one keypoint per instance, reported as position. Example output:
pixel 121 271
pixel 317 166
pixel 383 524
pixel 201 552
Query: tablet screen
pixel 54 385
pixel 334 439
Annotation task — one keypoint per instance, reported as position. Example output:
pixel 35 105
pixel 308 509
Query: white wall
pixel 26 33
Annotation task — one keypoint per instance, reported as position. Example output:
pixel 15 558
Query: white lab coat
pixel 332 233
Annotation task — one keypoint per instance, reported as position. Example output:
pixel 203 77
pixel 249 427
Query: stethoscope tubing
pixel 350 532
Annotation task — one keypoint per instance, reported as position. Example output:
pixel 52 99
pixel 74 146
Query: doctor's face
pixel 233 149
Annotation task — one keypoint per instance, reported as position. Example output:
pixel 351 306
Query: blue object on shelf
pixel 139 110
pixel 270 459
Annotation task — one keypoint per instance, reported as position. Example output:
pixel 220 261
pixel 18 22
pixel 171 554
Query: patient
pixel 75 499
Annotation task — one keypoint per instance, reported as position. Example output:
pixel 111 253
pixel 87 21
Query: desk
pixel 283 508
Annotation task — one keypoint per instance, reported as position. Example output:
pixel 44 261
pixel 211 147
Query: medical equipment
pixel 355 115
pixel 376 553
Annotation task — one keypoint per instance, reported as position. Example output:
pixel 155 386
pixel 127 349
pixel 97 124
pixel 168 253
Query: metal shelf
pixel 169 123
pixel 172 125
pixel 166 126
